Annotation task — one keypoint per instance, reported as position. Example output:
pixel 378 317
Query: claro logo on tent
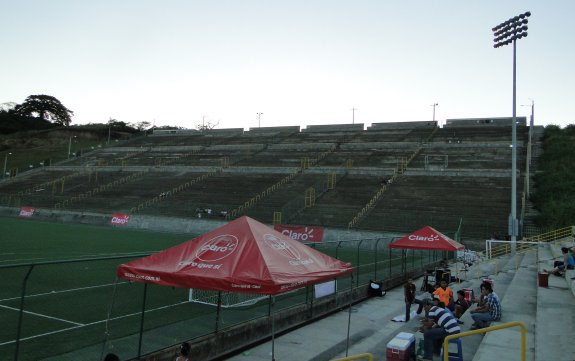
pixel 431 238
pixel 282 247
pixel 217 248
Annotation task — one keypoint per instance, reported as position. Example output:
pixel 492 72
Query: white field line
pixel 64 291
pixel 44 316
pixel 80 257
pixel 21 260
pixel 90 324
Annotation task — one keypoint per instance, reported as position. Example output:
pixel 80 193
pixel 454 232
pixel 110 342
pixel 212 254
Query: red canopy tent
pixel 427 238
pixel 243 256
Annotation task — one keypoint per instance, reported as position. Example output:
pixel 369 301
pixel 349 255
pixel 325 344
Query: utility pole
pixel 259 119
pixel 353 115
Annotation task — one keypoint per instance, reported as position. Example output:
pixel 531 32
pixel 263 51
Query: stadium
pixel 70 224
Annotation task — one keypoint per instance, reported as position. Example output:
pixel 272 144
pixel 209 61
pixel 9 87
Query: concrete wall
pixel 277 130
pixel 333 128
pixel 193 226
pixel 488 122
pixel 402 125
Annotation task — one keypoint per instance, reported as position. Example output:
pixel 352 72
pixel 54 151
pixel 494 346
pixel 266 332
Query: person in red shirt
pixel 409 292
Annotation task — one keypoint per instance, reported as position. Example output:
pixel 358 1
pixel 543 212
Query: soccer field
pixel 74 308
pixel 67 304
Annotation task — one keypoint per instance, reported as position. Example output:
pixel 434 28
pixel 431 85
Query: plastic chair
pixel 454 355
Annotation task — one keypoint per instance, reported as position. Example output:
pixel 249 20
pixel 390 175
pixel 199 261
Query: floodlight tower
pixel 508 32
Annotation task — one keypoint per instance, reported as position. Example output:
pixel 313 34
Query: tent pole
pixel 142 320
pixel 349 314
pixel 389 263
pixel 272 302
pixel 311 301
pixel 218 310
pixel 108 318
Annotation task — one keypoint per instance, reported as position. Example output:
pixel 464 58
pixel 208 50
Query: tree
pixel 140 126
pixel 45 107
pixel 206 126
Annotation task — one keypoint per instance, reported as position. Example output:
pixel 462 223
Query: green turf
pixel 73 308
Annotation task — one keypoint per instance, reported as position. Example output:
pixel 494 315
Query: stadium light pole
pixel 5 164
pixel 259 119
pixel 434 105
pixel 508 32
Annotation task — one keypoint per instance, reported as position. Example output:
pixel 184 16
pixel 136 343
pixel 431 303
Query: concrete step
pixel 555 319
pixel 518 304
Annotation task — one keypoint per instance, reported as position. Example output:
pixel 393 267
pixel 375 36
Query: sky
pixel 298 62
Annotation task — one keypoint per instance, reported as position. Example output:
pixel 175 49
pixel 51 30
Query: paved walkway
pixel 548 313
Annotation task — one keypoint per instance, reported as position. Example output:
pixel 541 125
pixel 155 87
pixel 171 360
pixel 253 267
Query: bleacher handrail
pixel 360 356
pixel 488 329
pixel 553 235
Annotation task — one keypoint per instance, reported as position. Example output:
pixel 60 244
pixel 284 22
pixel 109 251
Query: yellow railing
pixel 361 356
pixel 488 329
pixel 553 235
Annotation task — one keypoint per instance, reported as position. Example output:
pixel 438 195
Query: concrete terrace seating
pixel 351 193
pixel 203 195
pixel 417 201
pixel 473 185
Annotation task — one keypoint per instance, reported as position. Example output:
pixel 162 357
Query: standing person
pixel 489 311
pixel 184 352
pixel 445 295
pixel 440 324
pixel 409 292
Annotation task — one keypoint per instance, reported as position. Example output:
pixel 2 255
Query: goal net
pixel 229 299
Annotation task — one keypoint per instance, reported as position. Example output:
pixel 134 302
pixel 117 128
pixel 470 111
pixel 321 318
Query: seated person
pixel 480 301
pixel 461 305
pixel 489 311
pixel 559 266
pixel 445 295
pixel 440 324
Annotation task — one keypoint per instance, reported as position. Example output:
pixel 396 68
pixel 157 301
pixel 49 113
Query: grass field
pixel 76 309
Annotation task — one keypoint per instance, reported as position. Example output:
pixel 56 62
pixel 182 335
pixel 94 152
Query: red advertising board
pixel 26 212
pixel 120 219
pixel 301 233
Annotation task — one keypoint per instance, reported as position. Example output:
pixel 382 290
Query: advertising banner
pixel 120 219
pixel 26 212
pixel 301 233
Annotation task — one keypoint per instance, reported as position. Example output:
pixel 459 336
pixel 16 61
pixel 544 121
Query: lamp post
pixel 259 119
pixel 529 148
pixel 508 32
pixel 434 105
pixel 353 115
pixel 70 146
pixel 5 164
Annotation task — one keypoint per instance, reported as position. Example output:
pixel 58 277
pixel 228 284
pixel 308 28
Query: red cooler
pixel 401 349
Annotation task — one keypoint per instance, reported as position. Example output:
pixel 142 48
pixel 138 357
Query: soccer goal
pixel 229 299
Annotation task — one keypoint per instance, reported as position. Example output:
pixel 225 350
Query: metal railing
pixel 553 235
pixel 484 330
pixel 361 356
